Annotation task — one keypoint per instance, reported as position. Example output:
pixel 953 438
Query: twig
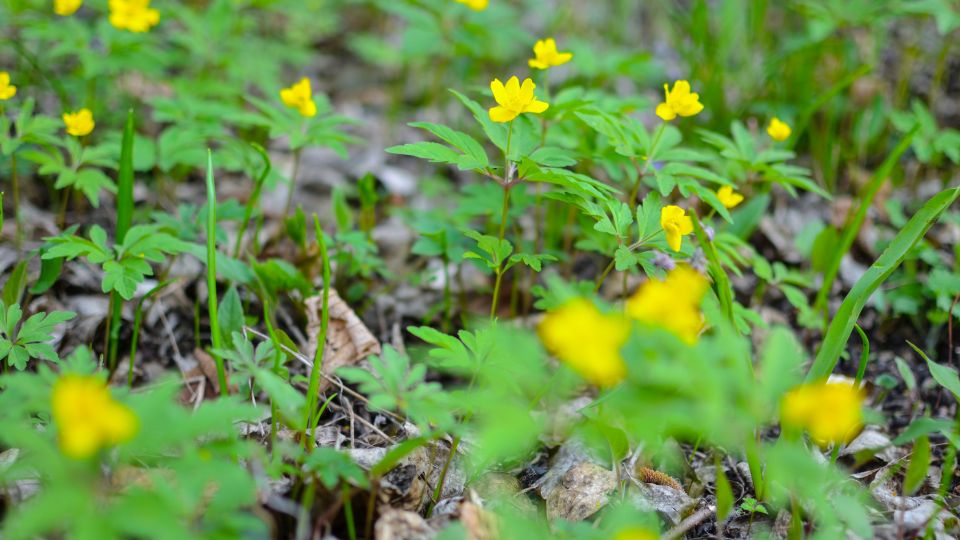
pixel 690 523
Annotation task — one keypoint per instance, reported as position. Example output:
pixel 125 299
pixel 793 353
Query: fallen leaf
pixel 348 340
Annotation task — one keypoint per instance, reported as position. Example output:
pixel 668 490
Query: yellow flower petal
pixel 502 114
pixel 728 197
pixel 665 112
pixel 778 130
pixel 587 340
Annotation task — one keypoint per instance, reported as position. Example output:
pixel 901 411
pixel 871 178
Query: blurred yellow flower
pixel 673 303
pixel 300 97
pixel 636 533
pixel 66 7
pixel 778 130
pixel 476 5
pixel 829 411
pixel 514 99
pixel 679 102
pixel 587 340
pixel 728 197
pixel 676 223
pixel 133 15
pixel 79 123
pixel 87 417
pixel 7 90
pixel 547 55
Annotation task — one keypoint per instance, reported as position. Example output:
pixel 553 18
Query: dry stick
pixel 690 523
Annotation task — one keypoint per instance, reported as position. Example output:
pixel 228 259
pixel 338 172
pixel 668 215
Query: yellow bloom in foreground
pixel 133 15
pixel 778 131
pixel 679 102
pixel 728 197
pixel 547 55
pixel 514 99
pixel 7 90
pixel 829 411
pixel 673 303
pixel 476 5
pixel 676 223
pixel 87 418
pixel 79 123
pixel 66 7
pixel 587 340
pixel 636 533
pixel 300 97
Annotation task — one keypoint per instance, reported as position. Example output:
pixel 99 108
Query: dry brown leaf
pixel 480 524
pixel 209 368
pixel 348 340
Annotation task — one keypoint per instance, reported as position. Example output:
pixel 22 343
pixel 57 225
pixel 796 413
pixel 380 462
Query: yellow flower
pixel 636 533
pixel 476 5
pixel 514 99
pixel 679 102
pixel 7 90
pixel 587 340
pixel 66 7
pixel 87 417
pixel 778 131
pixel 79 123
pixel 547 55
pixel 673 303
pixel 829 411
pixel 133 15
pixel 677 224
pixel 728 197
pixel 300 97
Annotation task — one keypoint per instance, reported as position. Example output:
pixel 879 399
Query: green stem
pixel 293 181
pixel 215 336
pixel 17 218
pixel 499 280
pixel 254 198
pixel 137 322
pixel 314 387
pixel 348 512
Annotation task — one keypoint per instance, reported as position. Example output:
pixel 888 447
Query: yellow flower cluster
pixel 300 97
pixel 79 123
pixel 547 56
pixel 7 90
pixel 829 411
pixel 476 5
pixel 514 99
pixel 133 15
pixel 676 223
pixel 778 130
pixel 587 340
pixel 679 102
pixel 87 417
pixel 65 8
pixel 673 303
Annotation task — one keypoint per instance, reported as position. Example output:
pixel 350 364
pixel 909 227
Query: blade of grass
pixel 137 321
pixel 845 319
pixel 124 220
pixel 314 387
pixel 254 198
pixel 720 278
pixel 852 228
pixel 215 337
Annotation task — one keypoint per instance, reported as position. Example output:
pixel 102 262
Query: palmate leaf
pixel 32 338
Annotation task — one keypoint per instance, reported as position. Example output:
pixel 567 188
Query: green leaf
pixel 843 322
pixel 919 466
pixel 231 312
pixel 431 151
pixel 474 157
pixel 724 493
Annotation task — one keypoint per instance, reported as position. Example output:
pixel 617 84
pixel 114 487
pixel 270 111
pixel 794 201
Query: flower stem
pixel 293 181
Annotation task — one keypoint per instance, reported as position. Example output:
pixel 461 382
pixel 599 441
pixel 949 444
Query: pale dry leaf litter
pixel 348 342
